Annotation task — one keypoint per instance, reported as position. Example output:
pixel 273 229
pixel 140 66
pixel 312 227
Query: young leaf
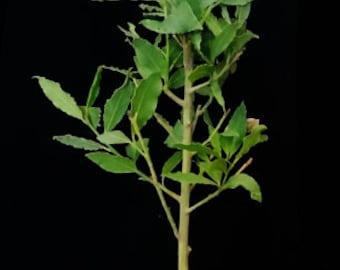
pixel 95 88
pixel 116 107
pixel 221 42
pixel 231 138
pixel 200 72
pixel 149 58
pixel 113 137
pixel 181 20
pixel 242 13
pixel 247 182
pixel 217 92
pixel 94 114
pixel 145 101
pixel 176 136
pixel 241 40
pixel 78 142
pixel 213 24
pixel 195 147
pixel 255 137
pixel 60 99
pixel 214 169
pixel 235 2
pixel 189 178
pixel 225 14
pixel 177 79
pixel 112 164
pixel 172 162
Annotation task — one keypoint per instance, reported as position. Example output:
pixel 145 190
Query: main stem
pixel 183 235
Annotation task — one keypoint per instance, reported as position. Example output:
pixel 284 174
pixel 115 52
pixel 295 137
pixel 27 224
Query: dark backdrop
pixel 65 213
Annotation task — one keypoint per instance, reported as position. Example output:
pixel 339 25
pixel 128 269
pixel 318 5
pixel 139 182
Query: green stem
pixel 183 239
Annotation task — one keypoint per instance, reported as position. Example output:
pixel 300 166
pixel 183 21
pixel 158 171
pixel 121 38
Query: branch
pixel 199 86
pixel 244 166
pixel 173 97
pixel 228 65
pixel 205 200
pixel 220 123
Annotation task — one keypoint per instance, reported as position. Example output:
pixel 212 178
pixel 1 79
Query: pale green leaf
pixel 247 182
pixel 241 40
pixel 213 24
pixel 235 2
pixel 217 92
pixel 189 178
pixel 172 162
pixel 176 135
pixel 177 79
pixel 200 72
pixel 95 88
pixel 94 114
pixel 255 137
pixel 215 169
pixel 113 137
pixel 59 98
pixel 242 13
pixel 221 42
pixel 181 20
pixel 116 107
pixel 112 164
pixel 149 58
pixel 78 142
pixel 225 14
pixel 145 100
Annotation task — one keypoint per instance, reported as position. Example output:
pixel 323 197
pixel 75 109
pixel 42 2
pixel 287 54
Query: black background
pixel 65 213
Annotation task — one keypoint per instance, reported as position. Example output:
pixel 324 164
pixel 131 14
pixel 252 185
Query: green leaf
pixel 221 42
pixel 176 136
pixel 195 147
pixel 95 88
pixel 189 178
pixel 247 182
pixel 242 13
pixel 177 79
pixel 181 20
pixel 78 142
pixel 131 150
pixel 175 54
pixel 213 24
pixel 94 114
pixel 112 164
pixel 200 72
pixel 113 137
pixel 196 40
pixel 241 40
pixel 217 92
pixel 149 58
pixel 59 98
pixel 144 103
pixel 116 107
pixel 214 169
pixel 231 138
pixel 255 137
pixel 172 162
pixel 235 2
pixel 225 14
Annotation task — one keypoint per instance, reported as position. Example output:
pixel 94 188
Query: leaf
pixel 225 14
pixel 113 137
pixel 235 2
pixel 242 13
pixel 181 20
pixel 221 42
pixel 195 147
pixel 175 54
pixel 255 137
pixel 231 138
pixel 217 92
pixel 214 169
pixel 60 99
pixel 176 136
pixel 212 23
pixel 131 150
pixel 116 107
pixel 200 72
pixel 149 58
pixel 94 114
pixel 95 88
pixel 188 178
pixel 215 140
pixel 177 79
pixel 241 40
pixel 112 164
pixel 144 103
pixel 247 182
pixel 78 142
pixel 172 162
